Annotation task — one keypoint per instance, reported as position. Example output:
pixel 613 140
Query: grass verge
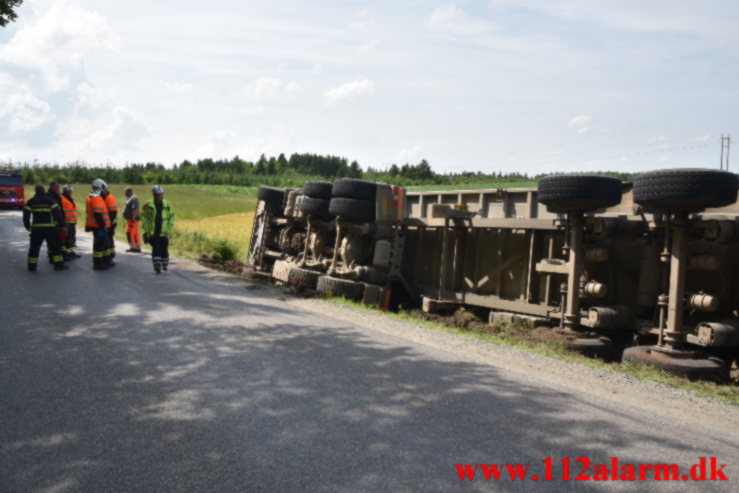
pixel 515 336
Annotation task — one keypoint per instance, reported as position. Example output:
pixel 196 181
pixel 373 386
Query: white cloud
pixel 105 136
pixel 226 143
pixel 580 123
pixel 702 140
pixel 254 110
pixel 453 20
pixel 94 97
pixel 264 87
pixel 293 87
pixel 24 111
pixel 368 46
pixel 59 42
pixel 178 87
pixel 350 91
pixel 317 69
pixel 409 155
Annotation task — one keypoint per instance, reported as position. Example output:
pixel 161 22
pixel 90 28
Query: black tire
pixel 318 189
pixel 703 367
pixel 685 189
pixel 271 195
pixel 579 192
pixel 360 210
pixel 314 206
pixel 596 347
pixel 350 290
pixel 350 188
pixel 303 278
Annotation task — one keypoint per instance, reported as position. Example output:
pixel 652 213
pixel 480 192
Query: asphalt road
pixel 125 380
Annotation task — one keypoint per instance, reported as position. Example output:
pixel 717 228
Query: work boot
pixel 100 267
pixel 131 250
pixel 157 269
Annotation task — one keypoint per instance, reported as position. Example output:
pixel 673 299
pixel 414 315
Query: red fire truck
pixel 11 190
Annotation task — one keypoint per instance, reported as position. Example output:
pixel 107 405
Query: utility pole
pixel 725 143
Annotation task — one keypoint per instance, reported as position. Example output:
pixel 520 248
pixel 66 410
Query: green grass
pixel 509 335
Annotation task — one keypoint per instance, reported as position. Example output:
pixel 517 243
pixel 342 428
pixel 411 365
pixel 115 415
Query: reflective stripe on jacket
pixel 70 210
pixel 44 210
pixel 96 205
pixel 148 221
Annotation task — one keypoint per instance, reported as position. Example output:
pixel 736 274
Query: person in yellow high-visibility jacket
pixel 157 221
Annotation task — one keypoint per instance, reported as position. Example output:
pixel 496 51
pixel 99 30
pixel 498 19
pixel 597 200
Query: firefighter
pixel 112 206
pixel 98 222
pixel 69 208
pixel 46 217
pixel 157 221
pixel 54 193
pixel 131 215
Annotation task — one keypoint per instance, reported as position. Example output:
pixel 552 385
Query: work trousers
pixel 132 233
pixel 160 252
pixel 71 241
pixel 38 235
pixel 100 245
pixel 111 241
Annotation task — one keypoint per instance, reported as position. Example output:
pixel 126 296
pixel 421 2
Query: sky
pixel 532 86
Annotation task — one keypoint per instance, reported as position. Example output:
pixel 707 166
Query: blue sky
pixel 497 85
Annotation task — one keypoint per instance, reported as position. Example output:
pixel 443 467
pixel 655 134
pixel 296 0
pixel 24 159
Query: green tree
pixel 7 11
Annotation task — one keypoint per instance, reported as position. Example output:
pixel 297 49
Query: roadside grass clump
pixel 516 336
pixel 198 245
pixel 231 229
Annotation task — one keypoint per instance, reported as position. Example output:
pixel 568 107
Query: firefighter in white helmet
pixel 157 221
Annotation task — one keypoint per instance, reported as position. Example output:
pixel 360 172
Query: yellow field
pixel 232 228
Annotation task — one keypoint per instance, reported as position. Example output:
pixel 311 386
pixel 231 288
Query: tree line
pixel 276 171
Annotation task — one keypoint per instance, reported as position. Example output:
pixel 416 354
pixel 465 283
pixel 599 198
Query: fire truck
pixel 11 190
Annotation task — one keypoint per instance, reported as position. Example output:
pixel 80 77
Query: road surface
pixel 124 380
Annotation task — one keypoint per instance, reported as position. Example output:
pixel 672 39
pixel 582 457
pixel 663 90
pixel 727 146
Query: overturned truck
pixel 645 272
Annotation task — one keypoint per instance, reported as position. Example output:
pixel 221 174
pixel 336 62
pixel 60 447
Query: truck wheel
pixel 318 189
pixel 596 347
pixel 271 195
pixel 303 278
pixel 354 189
pixel 685 189
pixel 702 367
pixel 351 290
pixel 360 210
pixel 314 206
pixel 579 192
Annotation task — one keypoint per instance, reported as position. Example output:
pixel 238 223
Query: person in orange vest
pixel 98 222
pixel 69 209
pixel 131 215
pixel 112 206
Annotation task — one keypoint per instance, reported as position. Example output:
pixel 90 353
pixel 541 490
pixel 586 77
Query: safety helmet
pixel 99 184
pixel 67 188
pixel 157 189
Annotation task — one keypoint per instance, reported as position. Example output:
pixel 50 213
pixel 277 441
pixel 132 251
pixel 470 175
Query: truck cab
pixel 11 190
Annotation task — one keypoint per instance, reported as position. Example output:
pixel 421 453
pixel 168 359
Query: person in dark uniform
pixel 54 193
pixel 46 215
